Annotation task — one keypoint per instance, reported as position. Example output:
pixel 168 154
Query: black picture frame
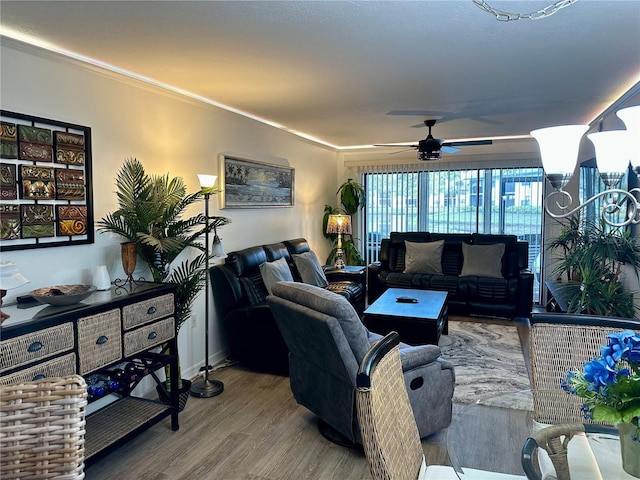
pixel 31 146
pixel 252 184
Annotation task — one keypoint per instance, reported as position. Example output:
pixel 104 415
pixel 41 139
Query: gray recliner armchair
pixel 327 341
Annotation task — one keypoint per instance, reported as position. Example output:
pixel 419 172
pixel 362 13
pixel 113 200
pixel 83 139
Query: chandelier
pixel 614 150
pixel 504 16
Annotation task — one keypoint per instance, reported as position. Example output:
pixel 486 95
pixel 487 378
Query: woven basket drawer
pixel 58 367
pixel 99 340
pixel 30 347
pixel 147 311
pixel 149 336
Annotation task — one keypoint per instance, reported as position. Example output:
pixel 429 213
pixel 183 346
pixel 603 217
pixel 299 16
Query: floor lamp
pixel 205 387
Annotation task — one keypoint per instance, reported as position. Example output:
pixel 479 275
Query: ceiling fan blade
pixel 396 145
pixel 400 151
pixel 421 113
pixel 447 149
pixel 487 120
pixel 466 143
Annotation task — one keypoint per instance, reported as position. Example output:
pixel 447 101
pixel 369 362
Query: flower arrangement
pixel 610 383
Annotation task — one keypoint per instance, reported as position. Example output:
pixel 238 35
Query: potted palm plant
pixel 592 256
pixel 150 216
pixel 352 198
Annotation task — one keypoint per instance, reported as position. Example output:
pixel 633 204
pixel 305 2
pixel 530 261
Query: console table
pixel 124 324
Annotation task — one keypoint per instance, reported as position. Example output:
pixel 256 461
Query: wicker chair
pixel 42 428
pixel 559 343
pixel 555 441
pixel 387 425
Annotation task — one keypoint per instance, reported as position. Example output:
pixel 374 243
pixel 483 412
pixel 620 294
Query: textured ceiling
pixel 335 70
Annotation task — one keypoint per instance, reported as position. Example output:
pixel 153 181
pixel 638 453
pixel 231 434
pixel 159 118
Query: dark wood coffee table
pixel 417 323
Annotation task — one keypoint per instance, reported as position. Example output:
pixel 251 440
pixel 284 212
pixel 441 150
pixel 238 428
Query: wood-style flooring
pixel 255 431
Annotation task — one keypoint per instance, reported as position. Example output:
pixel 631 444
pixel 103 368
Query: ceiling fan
pixel 431 148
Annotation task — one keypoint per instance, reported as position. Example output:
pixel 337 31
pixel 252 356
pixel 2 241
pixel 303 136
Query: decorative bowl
pixel 63 294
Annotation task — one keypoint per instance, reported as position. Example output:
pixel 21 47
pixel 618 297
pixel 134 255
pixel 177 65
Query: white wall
pixel 167 133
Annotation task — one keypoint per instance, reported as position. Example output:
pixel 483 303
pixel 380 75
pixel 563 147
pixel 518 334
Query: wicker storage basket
pixel 42 427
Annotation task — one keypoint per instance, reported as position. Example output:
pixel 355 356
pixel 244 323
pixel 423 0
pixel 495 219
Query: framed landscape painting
pixel 251 184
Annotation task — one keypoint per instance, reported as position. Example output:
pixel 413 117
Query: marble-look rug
pixel 489 364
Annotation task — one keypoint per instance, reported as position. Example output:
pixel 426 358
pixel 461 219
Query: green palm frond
pixel 150 213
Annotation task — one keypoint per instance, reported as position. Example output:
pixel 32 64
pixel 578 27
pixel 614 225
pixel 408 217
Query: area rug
pixel 488 363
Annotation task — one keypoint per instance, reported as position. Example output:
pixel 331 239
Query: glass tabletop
pixel 487 436
pixel 485 440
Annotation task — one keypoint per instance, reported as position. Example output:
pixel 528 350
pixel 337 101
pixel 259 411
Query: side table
pixel 351 273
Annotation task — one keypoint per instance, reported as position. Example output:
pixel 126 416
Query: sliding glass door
pixel 498 200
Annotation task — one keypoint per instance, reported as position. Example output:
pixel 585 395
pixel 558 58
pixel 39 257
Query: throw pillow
pixel 276 271
pixel 423 257
pixel 482 260
pixel 310 269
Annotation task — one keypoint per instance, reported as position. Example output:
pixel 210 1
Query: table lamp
pixel 339 224
pixel 10 278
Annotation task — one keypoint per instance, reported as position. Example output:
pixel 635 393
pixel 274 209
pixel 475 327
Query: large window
pixel 590 185
pixel 498 200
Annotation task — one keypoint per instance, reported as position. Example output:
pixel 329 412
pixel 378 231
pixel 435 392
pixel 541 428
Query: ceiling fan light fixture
pixel 429 155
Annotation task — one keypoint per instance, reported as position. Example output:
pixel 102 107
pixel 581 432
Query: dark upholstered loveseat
pixel 509 296
pixel 239 293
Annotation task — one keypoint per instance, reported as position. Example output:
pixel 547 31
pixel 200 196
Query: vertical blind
pixel 451 200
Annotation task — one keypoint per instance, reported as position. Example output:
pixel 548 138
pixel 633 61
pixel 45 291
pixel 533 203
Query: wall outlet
pixel 194 320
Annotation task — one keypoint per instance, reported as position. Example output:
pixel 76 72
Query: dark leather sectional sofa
pixel 239 293
pixel 510 296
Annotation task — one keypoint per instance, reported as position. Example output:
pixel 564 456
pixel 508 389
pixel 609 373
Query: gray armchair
pixel 327 341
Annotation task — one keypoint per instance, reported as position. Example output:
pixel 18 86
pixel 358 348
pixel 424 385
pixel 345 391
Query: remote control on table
pixel 406 300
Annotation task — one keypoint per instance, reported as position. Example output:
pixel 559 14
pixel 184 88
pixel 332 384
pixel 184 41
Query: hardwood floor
pixel 254 430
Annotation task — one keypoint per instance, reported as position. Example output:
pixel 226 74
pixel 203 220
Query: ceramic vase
pixel 630 448
pixel 101 278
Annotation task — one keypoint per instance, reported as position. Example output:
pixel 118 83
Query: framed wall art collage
pixel 45 183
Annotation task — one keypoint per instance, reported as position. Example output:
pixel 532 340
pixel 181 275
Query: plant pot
pixel 630 448
pixel 183 394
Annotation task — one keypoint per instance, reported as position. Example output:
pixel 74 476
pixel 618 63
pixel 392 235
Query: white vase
pixel 101 278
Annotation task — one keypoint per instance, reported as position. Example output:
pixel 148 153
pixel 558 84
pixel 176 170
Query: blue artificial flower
pixel 620 343
pixel 566 384
pixel 599 373
pixel 633 355
pixel 605 380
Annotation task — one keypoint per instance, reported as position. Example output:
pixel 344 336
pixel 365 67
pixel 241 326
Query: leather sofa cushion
pixel 254 288
pixel 246 261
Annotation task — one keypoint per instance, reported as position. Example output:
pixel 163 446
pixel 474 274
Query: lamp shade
pixel 559 151
pixel 207 181
pixel 217 250
pixel 612 154
pixel 631 118
pixel 10 276
pixel 339 224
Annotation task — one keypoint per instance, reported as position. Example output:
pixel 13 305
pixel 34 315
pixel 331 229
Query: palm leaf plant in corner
pixel 150 215
pixel 592 255
pixel 352 198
